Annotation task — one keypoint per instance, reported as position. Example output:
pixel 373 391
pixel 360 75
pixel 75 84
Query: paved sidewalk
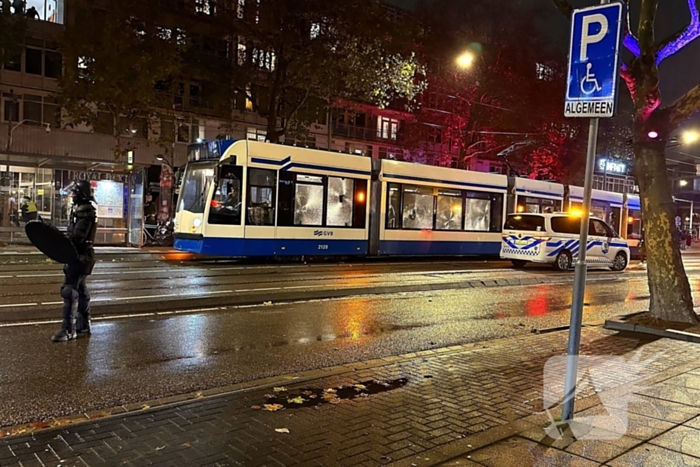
pixel 478 404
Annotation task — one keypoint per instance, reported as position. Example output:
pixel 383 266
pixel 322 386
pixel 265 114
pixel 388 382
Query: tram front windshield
pixel 198 178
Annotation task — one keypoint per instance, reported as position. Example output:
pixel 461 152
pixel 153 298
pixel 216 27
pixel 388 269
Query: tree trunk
pixel 671 299
pixel 273 135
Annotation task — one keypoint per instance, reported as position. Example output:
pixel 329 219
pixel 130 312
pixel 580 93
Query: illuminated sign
pixel 612 167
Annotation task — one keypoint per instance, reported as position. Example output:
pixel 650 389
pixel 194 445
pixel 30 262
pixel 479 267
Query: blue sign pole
pixel 591 92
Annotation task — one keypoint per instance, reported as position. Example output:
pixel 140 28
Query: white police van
pixel 554 239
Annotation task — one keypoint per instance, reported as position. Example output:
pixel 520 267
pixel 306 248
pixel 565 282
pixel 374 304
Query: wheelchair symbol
pixel 589 84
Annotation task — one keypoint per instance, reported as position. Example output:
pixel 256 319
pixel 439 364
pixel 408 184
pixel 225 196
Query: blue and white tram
pixel 439 211
pixel 248 199
pixel 263 199
pixel 535 196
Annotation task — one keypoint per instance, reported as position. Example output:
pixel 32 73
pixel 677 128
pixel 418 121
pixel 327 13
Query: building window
pixel 315 30
pixel 205 7
pixel 32 109
pixel 242 52
pixel 307 141
pixel 33 61
pixel 544 72
pixel 53 64
pixel 387 128
pixel 240 9
pixel 264 60
pixel 256 134
pixel 358 149
pixel 11 111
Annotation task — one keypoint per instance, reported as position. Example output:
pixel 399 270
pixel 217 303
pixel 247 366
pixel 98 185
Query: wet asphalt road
pixel 129 360
pixel 33 290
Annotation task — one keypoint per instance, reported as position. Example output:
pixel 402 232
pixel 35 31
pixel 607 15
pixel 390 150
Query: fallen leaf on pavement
pixel 280 389
pixel 270 396
pixel 297 400
pixel 361 387
pixel 255 407
pixel 273 407
pixel 282 430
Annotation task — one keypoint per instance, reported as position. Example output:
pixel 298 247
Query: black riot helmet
pixel 82 190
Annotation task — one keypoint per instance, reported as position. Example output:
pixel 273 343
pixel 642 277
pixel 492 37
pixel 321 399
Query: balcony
pixel 355 132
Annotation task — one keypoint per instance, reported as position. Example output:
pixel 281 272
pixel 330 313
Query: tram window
pixel 308 200
pixel 261 197
pixel 496 212
pixel 195 187
pixel 634 224
pixel 285 199
pixel 418 207
pixel 393 206
pixel 483 212
pixel 449 210
pixel 339 202
pixel 359 215
pixel 226 202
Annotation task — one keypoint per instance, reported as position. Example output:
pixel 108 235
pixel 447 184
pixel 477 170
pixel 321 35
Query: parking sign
pixel 596 34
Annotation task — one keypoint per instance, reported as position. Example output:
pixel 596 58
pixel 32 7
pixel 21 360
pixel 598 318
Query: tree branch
pixel 645 31
pixel 564 7
pixel 684 107
pixel 630 41
pixel 676 42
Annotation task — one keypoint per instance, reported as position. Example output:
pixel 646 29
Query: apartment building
pixel 40 157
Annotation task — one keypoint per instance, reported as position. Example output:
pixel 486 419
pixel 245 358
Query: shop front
pixel 119 198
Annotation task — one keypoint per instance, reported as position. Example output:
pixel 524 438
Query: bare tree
pixel 654 121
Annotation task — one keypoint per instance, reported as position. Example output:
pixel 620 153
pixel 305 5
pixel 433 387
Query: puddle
pixel 314 397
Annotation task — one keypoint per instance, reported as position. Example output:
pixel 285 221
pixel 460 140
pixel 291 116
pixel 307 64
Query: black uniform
pixel 82 228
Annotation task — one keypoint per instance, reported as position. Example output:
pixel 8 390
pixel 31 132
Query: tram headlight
pixel 197 222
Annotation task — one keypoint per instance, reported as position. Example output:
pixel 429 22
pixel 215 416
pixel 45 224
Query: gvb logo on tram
pixel 593 61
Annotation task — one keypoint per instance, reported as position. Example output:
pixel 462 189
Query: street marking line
pixel 38 275
pixel 258 290
pixel 18 305
pixel 52 303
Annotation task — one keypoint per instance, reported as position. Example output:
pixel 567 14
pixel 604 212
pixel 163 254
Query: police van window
pixel 226 203
pixel 566 225
pixel 418 207
pixel 308 200
pixel 393 206
pixel 261 197
pixel 525 222
pixel 195 187
pixel 340 201
pixel 449 210
pixel 600 229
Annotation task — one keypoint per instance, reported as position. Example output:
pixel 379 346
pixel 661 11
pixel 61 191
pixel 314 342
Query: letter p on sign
pixel 587 38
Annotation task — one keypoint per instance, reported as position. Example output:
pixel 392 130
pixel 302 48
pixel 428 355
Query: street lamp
pixel 690 137
pixel 683 183
pixel 466 60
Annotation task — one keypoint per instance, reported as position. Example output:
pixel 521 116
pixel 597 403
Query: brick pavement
pixel 478 394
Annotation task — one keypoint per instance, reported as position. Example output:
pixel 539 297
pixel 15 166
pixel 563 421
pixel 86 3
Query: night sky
pixel 678 73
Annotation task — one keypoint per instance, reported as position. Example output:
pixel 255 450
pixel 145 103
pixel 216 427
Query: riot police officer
pixel 82 227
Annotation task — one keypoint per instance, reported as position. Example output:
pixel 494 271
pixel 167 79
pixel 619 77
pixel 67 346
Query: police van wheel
pixel 563 261
pixel 518 263
pixel 620 262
